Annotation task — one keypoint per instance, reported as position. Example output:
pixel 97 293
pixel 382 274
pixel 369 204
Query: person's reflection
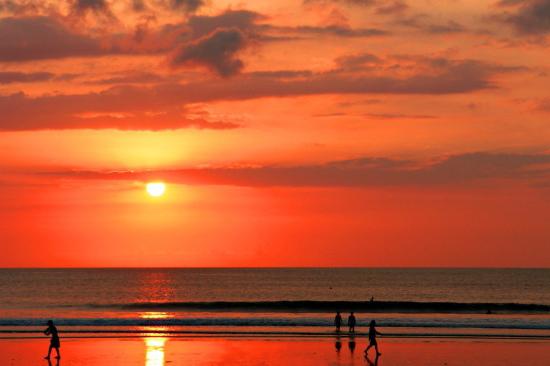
pixel 375 363
pixel 56 362
pixel 154 352
pixel 351 344
pixel 338 345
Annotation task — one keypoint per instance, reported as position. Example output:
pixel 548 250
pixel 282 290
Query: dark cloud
pixel 36 38
pixel 282 74
pixel 138 5
pixel 23 7
pixel 90 5
pixel 40 37
pixel 444 28
pixel 364 172
pixel 217 51
pixel 348 2
pixel 399 116
pixel 8 77
pixel 49 37
pixel 123 108
pixel 244 20
pixel 333 30
pixel 253 25
pixel 141 107
pixel 424 23
pixel 527 16
pixel 358 61
pixel 391 8
pixel 185 5
pixel 137 77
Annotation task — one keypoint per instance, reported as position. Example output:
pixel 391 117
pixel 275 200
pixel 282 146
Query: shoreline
pixel 6 335
pixel 273 351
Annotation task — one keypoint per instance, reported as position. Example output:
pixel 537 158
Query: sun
pixel 155 189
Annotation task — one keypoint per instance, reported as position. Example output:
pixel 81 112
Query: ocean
pixel 293 301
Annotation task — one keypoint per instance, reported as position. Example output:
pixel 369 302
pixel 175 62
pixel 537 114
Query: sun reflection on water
pixel 154 355
pixel 155 315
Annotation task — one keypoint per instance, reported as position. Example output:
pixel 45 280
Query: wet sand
pixel 159 351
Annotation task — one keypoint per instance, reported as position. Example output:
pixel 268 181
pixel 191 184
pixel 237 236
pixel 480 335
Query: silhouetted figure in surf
pixel 372 338
pixel 338 321
pixel 351 322
pixel 54 342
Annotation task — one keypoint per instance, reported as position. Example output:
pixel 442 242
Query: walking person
pixel 372 338
pixel 54 342
pixel 351 322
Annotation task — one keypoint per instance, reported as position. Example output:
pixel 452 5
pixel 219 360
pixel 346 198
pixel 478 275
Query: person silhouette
pixel 372 338
pixel 338 321
pixel 54 342
pixel 351 322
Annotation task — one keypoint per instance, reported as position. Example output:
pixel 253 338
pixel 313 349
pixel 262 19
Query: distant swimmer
pixel 54 342
pixel 338 321
pixel 372 338
pixel 351 322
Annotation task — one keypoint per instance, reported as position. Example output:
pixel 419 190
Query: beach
pixel 157 317
pixel 199 351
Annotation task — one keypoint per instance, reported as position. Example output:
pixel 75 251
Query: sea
pixel 412 302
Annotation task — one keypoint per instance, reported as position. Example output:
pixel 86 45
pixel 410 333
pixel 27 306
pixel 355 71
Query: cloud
pixel 358 61
pixel 527 16
pixel 391 8
pixel 37 38
pixel 348 2
pixel 333 30
pixel 251 24
pixel 543 105
pixel 364 172
pixel 43 37
pixel 23 7
pixel 123 108
pixel 244 20
pixel 91 5
pixel 132 77
pixel 141 106
pixel 424 23
pixel 8 77
pixel 185 5
pixel 216 51
pixel 399 116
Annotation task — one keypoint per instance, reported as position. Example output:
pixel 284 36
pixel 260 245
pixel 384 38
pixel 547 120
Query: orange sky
pixel 289 133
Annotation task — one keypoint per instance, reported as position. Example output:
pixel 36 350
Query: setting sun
pixel 156 189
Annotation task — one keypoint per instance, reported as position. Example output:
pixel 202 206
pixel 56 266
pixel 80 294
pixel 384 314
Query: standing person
pixel 338 321
pixel 372 338
pixel 351 322
pixel 54 342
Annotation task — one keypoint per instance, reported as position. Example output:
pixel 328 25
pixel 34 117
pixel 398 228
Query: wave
pixel 483 323
pixel 331 306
